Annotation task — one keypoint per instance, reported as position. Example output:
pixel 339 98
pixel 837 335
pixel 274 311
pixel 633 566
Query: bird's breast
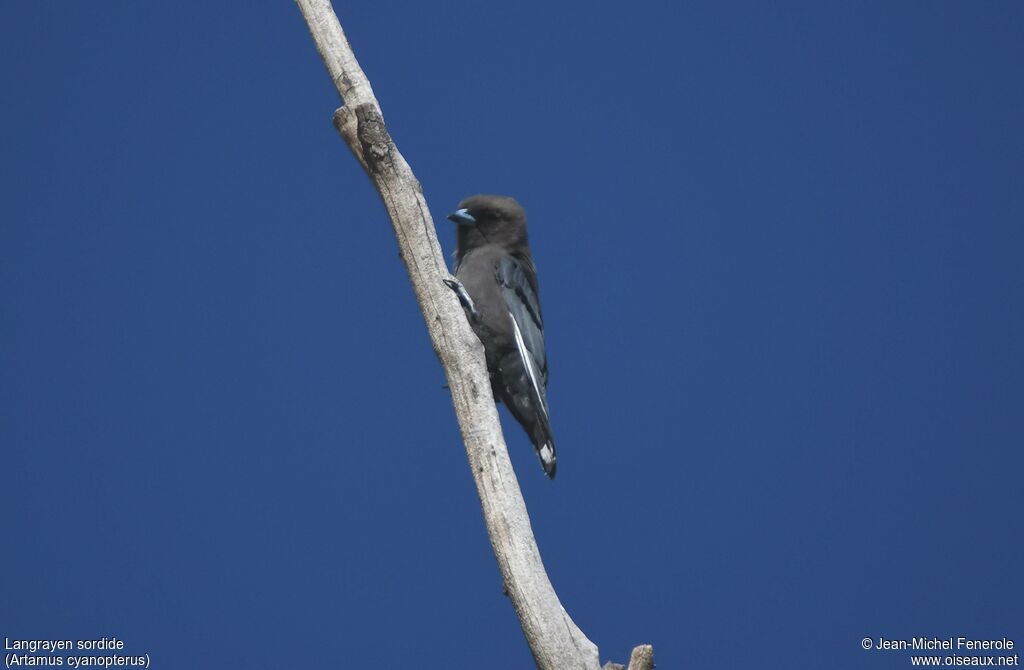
pixel 477 272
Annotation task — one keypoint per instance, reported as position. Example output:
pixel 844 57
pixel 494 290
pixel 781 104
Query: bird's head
pixel 489 219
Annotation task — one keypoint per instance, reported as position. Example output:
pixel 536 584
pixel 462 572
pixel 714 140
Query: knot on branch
pixel 365 134
pixel 373 137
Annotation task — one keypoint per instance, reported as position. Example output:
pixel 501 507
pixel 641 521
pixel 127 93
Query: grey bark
pixel 555 641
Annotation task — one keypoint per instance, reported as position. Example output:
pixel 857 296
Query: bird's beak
pixel 462 217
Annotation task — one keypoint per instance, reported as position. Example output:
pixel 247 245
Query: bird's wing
pixel 524 376
pixel 528 323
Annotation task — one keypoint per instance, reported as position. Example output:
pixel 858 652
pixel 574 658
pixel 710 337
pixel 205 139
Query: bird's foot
pixel 463 295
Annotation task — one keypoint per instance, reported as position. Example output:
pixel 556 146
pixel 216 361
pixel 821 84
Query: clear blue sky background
pixel 780 252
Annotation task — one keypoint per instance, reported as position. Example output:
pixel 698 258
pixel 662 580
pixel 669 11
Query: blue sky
pixel 779 248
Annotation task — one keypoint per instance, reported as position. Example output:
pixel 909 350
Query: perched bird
pixel 497 284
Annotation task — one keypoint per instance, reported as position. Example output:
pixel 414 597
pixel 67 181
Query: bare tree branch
pixel 556 642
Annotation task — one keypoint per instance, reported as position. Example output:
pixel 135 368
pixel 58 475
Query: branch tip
pixel 642 658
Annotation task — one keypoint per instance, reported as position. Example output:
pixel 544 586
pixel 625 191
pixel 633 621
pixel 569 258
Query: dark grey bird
pixel 498 289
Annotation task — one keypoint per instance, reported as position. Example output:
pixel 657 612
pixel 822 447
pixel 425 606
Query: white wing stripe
pixel 527 357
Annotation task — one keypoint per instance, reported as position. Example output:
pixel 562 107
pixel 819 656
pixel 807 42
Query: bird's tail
pixel 520 387
pixel 546 451
pixel 544 443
